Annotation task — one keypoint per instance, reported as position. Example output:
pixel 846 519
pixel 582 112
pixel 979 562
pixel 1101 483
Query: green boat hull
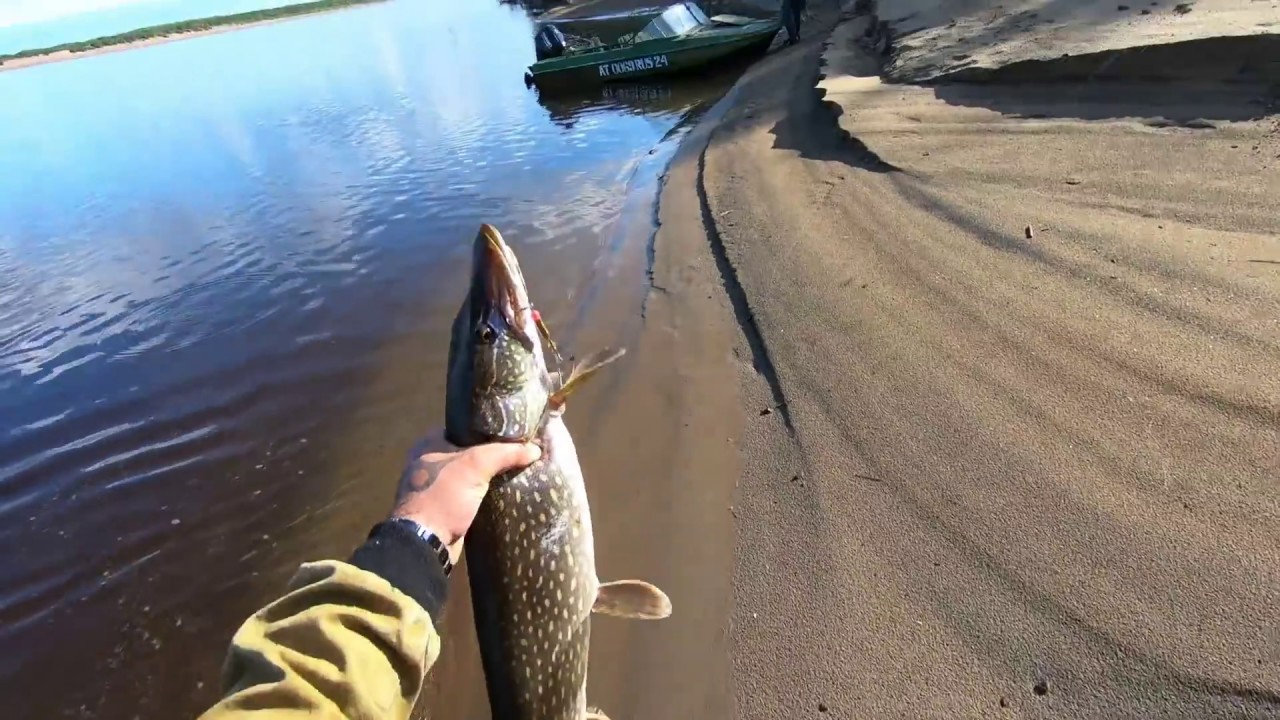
pixel 654 58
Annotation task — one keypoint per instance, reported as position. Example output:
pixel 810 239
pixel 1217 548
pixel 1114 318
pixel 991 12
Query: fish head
pixel 498 385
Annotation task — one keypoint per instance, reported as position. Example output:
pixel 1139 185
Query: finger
pixel 494 458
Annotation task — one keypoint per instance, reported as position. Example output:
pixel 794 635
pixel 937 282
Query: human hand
pixel 443 485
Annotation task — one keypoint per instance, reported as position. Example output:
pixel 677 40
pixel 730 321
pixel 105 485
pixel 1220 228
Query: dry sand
pixel 892 458
pixel 934 39
pixel 1015 476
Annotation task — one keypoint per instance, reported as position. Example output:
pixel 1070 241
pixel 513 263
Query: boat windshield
pixel 675 20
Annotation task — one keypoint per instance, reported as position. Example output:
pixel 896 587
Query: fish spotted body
pixel 531 562
pixel 530 553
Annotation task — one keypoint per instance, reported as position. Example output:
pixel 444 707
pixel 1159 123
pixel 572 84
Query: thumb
pixel 494 458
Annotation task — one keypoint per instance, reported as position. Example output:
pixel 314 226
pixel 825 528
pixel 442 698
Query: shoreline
pixel 29 61
pixel 628 427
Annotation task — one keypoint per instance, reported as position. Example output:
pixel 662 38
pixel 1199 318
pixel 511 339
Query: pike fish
pixel 530 553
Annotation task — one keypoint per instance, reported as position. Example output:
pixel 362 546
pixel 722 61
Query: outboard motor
pixel 549 42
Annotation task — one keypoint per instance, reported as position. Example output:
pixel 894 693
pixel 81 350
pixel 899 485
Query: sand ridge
pixel 933 39
pixel 1027 347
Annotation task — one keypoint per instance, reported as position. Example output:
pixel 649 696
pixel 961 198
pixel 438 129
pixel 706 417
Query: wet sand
pixel 1023 350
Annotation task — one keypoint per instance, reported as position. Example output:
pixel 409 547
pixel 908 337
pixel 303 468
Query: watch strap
pixel 428 536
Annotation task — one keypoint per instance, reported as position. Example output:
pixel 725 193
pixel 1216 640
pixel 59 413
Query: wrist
pixel 426 521
pixel 425 509
pixel 433 539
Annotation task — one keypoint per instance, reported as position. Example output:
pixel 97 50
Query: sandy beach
pixel 957 400
pixel 993 414
pixel 63 55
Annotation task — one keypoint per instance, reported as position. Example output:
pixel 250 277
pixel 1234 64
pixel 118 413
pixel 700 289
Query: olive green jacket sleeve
pixel 342 643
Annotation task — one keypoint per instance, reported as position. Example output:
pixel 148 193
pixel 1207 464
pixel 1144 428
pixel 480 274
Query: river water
pixel 227 269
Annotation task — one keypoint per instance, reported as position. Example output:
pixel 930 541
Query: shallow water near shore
pixel 227 269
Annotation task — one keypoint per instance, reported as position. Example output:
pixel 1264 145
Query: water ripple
pixel 223 304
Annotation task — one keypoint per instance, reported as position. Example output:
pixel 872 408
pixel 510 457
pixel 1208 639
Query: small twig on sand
pixel 1268 262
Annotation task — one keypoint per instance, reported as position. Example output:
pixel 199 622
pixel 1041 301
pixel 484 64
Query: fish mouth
pixel 501 282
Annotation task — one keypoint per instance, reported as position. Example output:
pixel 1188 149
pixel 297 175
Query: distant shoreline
pixel 169 32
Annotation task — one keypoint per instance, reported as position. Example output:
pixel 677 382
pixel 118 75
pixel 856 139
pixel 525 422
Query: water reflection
pixel 227 266
pixel 676 96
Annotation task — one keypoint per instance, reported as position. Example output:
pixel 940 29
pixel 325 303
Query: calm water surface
pixel 227 268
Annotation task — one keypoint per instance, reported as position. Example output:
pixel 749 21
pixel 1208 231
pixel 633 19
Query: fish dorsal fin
pixel 595 714
pixel 632 599
pixel 581 373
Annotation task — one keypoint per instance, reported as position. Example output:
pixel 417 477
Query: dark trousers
pixel 791 11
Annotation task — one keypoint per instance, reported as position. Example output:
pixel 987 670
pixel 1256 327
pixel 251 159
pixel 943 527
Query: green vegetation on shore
pixel 187 26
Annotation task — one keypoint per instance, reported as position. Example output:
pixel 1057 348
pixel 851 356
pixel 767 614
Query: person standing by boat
pixel 791 13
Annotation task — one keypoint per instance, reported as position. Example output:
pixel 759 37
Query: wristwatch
pixel 432 540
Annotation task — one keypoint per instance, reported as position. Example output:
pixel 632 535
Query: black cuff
pixel 396 554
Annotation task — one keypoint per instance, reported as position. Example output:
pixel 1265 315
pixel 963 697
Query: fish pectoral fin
pixel 595 714
pixel 633 599
pixel 581 373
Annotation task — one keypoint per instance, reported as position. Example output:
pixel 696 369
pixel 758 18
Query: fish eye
pixel 484 333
